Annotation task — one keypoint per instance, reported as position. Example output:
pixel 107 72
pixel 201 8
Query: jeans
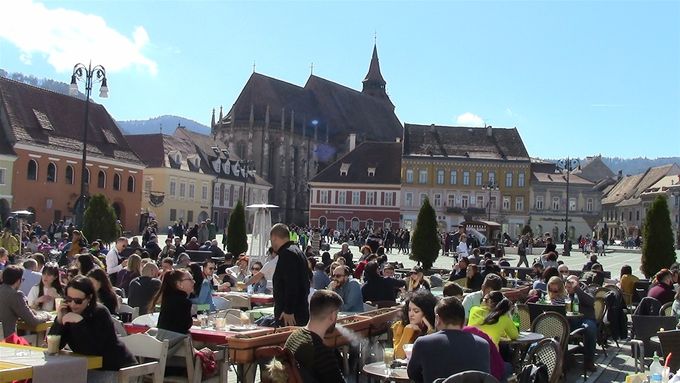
pixel 589 338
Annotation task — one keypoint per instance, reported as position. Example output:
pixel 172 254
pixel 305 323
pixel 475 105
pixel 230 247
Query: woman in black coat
pixel 87 327
pixel 173 296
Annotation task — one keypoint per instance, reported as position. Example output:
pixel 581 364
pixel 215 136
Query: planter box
pixel 381 319
pixel 357 324
pixel 242 347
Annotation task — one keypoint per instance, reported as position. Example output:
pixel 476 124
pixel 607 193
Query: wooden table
pixel 14 371
pixel 40 330
pixel 379 371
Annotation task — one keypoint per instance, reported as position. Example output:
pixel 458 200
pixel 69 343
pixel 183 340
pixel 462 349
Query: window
pixel 408 199
pixel 192 191
pixel 409 176
pixel 539 203
pixel 437 200
pixel 183 190
pixel 466 178
pixel 637 215
pixel 440 177
pixel 556 203
pixel 389 199
pixel 69 175
pixel 492 178
pixel 101 179
pixel 508 180
pixel 173 187
pixel 464 201
pixel 2 176
pixel 190 216
pixel 589 204
pixel 492 202
pixel 356 198
pixel 204 192
pixel 423 197
pixel 572 204
pixel 342 197
pixel 506 202
pixel 32 172
pixel 216 193
pixel 148 185
pixel 116 182
pixel 323 196
pixel 422 176
pixel 453 178
pixel 344 168
pixel 341 224
pixel 355 223
pixel 451 200
pixel 173 214
pixel 371 172
pixel 478 178
pixel 370 198
pixel 480 201
pixel 131 184
pixel 51 172
pixel 369 223
pixel 520 180
pixel 519 203
pixel 387 223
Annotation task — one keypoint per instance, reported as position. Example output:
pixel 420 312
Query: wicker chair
pixel 524 317
pixel 666 309
pixel 548 352
pixel 468 377
pixel 644 327
pixel 554 325
pixel 536 309
pixel 670 343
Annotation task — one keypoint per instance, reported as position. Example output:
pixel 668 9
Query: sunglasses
pixel 78 301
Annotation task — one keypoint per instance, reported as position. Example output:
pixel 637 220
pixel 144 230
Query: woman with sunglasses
pixel 417 318
pixel 556 291
pixel 173 297
pixel 416 281
pixel 259 287
pixel 86 327
pixel 41 296
pixel 104 290
pixel 493 317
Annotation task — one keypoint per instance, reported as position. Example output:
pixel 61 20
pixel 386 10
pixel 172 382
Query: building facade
pixel 360 189
pixel 45 131
pixel 669 188
pixel 467 173
pixel 291 132
pixel 7 158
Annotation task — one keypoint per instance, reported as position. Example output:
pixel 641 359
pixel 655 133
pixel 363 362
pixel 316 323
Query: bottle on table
pixel 575 304
pixel 655 370
pixel 515 318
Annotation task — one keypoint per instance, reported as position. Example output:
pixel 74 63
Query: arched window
pixel 101 179
pixel 69 175
pixel 340 226
pixel 116 181
pixel 322 221
pixel 369 224
pixel 32 172
pixel 387 223
pixel 87 176
pixel 355 223
pixel 131 184
pixel 51 172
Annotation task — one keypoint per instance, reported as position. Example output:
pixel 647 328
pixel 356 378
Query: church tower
pixel 374 83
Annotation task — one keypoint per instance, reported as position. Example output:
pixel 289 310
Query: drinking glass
pixel 388 358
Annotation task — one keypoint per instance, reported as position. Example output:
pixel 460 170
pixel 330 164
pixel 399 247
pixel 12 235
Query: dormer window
pixel 344 168
pixel 371 172
pixel 175 159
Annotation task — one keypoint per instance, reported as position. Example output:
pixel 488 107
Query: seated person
pixel 547 274
pixel 104 291
pixel 416 280
pixel 417 318
pixel 449 350
pixel 239 271
pixel 174 294
pixel 41 297
pixel 493 317
pixel 87 328
pixel 378 288
pixel 318 363
pixel 452 289
pixel 549 259
pixel 474 278
pixel 662 288
pixel 348 289
pixel 459 270
pixel 14 304
pixel 595 276
pixel 144 287
pixel 627 283
pixel 564 271
pixel 320 279
pixel 492 282
pixel 589 264
pixel 556 291
pixel 587 321
pixel 259 287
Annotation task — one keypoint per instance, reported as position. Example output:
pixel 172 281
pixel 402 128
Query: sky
pixel 576 78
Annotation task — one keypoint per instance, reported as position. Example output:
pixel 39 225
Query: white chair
pixel 119 327
pixel 145 346
pixel 149 320
pixel 123 308
pixel 221 303
pixel 232 319
pixel 195 368
pixel 239 301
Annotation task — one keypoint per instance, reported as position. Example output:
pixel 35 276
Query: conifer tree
pixel 425 243
pixel 99 220
pixel 658 251
pixel 237 240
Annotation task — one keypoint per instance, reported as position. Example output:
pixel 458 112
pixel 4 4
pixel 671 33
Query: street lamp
pixel 568 165
pixel 88 74
pixel 490 187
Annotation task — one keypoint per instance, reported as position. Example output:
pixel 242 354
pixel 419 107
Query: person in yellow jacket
pixel 417 319
pixel 493 317
pixel 9 242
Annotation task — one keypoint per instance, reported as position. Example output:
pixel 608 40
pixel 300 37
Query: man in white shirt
pixel 113 264
pixel 30 277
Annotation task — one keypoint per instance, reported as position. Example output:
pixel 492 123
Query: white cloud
pixel 65 37
pixel 469 119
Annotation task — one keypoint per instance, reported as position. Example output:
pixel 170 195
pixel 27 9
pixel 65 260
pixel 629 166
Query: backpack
pixel 534 373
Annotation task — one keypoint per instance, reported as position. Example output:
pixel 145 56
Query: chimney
pixel 352 141
pixel 620 175
pixel 489 131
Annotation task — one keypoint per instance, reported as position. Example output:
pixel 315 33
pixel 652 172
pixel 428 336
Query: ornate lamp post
pixel 88 74
pixel 491 186
pixel 568 165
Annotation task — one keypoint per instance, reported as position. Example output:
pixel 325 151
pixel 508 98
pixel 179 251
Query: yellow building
pixel 7 158
pixel 467 174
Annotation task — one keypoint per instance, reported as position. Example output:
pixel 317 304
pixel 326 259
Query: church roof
pixel 464 142
pixel 382 159
pixel 43 118
pixel 374 74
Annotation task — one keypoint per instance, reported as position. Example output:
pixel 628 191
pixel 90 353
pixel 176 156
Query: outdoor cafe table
pixel 11 370
pixel 523 341
pixel 40 329
pixel 379 371
pixel 255 299
pixel 207 335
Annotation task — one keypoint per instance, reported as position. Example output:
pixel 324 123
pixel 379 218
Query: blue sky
pixel 575 77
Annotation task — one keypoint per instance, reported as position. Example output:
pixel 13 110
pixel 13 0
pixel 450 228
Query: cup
pixel 240 286
pixel 57 303
pixel 53 344
pixel 220 323
pixel 202 320
pixel 408 349
pixel 388 358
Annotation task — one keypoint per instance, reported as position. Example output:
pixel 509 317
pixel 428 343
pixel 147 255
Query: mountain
pixel 168 122
pixel 44 83
pixel 629 166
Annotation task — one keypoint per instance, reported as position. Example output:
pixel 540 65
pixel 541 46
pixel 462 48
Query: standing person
pixel 549 246
pixel 113 261
pixel 449 350
pixel 522 252
pixel 291 279
pixel 13 303
pixel 318 362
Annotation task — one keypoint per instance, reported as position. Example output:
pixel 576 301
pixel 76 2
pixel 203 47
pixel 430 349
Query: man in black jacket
pixel 291 279
pixel 143 288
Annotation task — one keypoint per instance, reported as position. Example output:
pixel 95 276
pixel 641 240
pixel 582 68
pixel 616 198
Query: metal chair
pixel 524 317
pixel 548 352
pixel 666 309
pixel 670 343
pixel 469 377
pixel 645 327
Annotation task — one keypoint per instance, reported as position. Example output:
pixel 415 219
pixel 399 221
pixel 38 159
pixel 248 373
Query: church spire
pixel 374 83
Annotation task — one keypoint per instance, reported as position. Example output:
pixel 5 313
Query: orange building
pixel 45 131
